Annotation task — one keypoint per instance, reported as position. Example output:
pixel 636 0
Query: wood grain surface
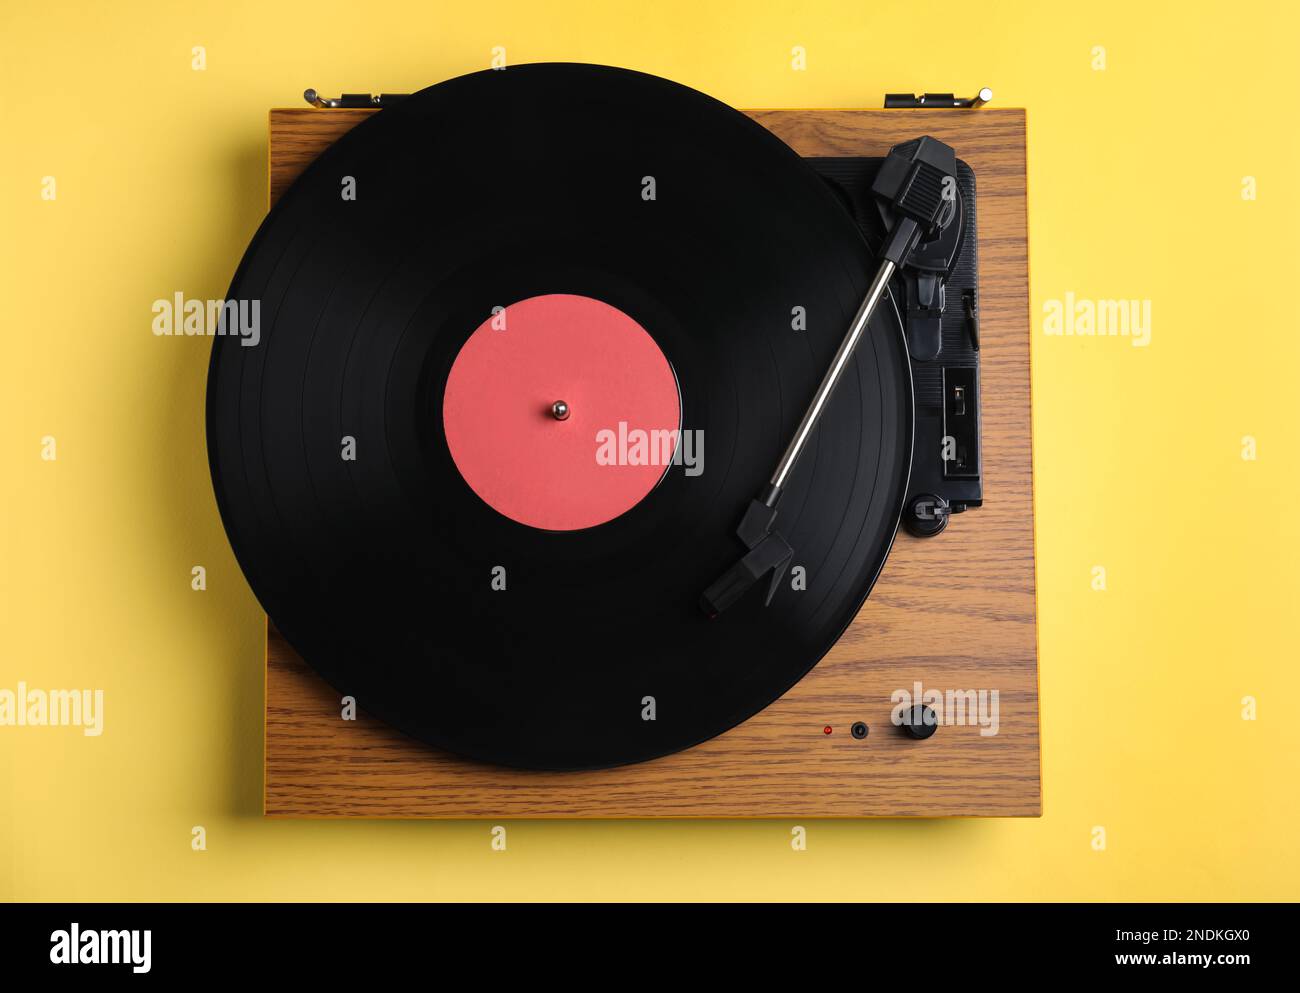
pixel 955 612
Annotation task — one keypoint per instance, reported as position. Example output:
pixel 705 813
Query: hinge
pixel 937 100
pixel 376 102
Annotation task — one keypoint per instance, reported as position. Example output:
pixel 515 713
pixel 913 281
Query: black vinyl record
pixel 493 188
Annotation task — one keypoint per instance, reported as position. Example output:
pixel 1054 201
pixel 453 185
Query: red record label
pixel 561 412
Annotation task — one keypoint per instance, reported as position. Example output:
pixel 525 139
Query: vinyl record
pixel 394 479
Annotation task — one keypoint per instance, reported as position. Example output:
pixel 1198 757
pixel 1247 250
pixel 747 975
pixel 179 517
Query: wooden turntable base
pixel 954 612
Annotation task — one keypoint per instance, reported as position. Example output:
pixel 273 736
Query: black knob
pixel 926 515
pixel 920 722
pixel 859 730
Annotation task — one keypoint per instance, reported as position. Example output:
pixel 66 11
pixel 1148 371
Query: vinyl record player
pixel 585 417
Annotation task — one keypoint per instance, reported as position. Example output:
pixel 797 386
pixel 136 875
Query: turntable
pixel 609 452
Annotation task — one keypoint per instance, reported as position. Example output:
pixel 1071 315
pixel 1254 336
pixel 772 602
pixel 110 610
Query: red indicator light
pixel 826 729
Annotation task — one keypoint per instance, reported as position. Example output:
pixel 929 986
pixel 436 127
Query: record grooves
pixel 479 193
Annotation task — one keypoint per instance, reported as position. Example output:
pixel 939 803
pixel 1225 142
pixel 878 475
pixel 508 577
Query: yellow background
pixel 1135 177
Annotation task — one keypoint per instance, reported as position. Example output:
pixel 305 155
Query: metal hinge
pixel 941 100
pixel 376 101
